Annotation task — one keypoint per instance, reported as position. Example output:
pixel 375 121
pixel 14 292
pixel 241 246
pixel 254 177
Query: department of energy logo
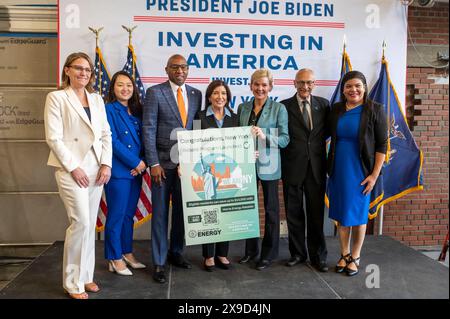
pixel 192 234
pixel 217 176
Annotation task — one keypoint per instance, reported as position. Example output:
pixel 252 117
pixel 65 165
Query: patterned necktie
pixel 305 115
pixel 181 106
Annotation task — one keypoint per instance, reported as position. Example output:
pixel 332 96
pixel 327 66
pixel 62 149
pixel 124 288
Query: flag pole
pixel 380 224
pixel 344 48
pixel 97 34
pixel 130 36
pixel 130 32
pixel 344 42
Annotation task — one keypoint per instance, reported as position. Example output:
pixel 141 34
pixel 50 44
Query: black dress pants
pixel 215 249
pixel 312 242
pixel 270 242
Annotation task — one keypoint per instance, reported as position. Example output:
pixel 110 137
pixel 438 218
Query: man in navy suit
pixel 168 107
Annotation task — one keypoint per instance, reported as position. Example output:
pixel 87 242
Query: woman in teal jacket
pixel 269 121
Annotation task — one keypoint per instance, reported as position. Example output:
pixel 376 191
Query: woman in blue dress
pixel 124 112
pixel 358 130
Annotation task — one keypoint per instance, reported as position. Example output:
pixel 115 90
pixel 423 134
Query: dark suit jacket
pixel 210 122
pixel 161 117
pixel 305 146
pixel 373 134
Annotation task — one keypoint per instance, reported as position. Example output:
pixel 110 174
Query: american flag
pixel 131 68
pixel 143 210
pixel 102 78
pixel 144 207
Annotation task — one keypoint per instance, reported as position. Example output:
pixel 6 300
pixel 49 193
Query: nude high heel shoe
pixel 133 265
pixel 123 272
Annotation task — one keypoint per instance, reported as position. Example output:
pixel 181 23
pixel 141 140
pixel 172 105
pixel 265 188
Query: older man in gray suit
pixel 168 107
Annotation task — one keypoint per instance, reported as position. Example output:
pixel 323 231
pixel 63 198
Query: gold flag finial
pixel 130 32
pixel 97 33
pixel 384 48
pixel 344 42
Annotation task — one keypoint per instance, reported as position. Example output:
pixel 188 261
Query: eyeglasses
pixel 79 68
pixel 302 83
pixel 175 67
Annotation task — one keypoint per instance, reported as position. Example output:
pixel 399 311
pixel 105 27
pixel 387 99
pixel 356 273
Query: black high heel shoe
pixel 346 258
pixel 352 272
pixel 208 268
pixel 220 264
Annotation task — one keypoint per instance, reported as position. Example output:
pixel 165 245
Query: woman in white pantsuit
pixel 79 137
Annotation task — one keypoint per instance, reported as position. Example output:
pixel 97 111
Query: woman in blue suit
pixel 269 121
pixel 124 112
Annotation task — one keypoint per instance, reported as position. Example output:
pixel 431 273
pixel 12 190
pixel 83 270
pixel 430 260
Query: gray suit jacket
pixel 161 120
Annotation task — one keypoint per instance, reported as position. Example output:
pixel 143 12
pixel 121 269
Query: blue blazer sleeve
pixel 120 151
pixel 281 139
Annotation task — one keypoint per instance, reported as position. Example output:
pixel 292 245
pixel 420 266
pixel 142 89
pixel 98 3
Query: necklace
pixel 348 108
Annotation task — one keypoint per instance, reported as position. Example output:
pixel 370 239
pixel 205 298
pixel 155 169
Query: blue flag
pixel 402 170
pixel 131 68
pixel 102 78
pixel 346 66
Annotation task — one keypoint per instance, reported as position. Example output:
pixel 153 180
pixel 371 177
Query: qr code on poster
pixel 210 217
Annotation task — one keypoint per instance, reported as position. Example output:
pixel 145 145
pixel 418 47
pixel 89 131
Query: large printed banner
pixel 218 183
pixel 229 39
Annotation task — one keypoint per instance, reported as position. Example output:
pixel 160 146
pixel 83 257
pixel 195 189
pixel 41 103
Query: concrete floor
pixel 433 252
pixel 16 258
pixel 403 273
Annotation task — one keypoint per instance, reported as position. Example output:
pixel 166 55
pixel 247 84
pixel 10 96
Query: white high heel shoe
pixel 123 272
pixel 133 265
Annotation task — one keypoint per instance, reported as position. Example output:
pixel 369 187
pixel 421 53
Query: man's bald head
pixel 304 70
pixel 304 82
pixel 177 69
pixel 175 57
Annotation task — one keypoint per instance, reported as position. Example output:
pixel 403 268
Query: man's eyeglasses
pixel 302 83
pixel 175 67
pixel 79 68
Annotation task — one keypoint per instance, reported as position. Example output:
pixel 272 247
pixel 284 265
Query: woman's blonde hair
pixel 65 80
pixel 262 73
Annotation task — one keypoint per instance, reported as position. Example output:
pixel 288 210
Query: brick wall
pixel 421 218
pixel 429 25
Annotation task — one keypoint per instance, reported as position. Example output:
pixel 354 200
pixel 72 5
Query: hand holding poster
pixel 218 182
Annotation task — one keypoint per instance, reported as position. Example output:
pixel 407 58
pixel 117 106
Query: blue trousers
pixel 122 196
pixel 160 218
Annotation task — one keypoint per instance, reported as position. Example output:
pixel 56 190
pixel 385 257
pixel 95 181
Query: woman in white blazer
pixel 79 137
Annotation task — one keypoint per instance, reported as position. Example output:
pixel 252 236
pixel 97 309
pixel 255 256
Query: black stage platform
pixel 403 273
